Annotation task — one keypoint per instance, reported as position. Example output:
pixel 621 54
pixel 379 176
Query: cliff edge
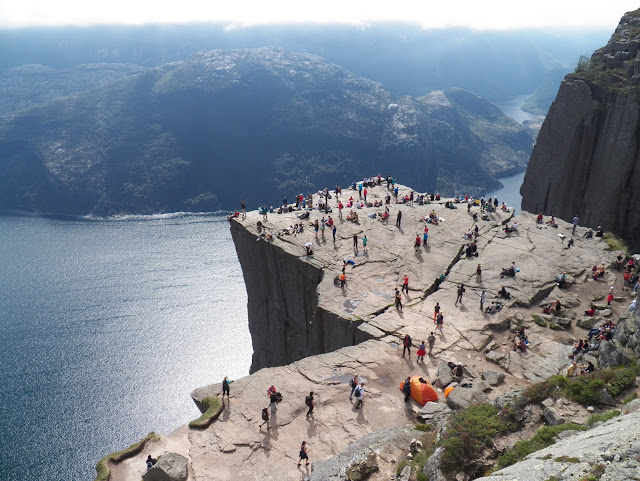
pixel 586 159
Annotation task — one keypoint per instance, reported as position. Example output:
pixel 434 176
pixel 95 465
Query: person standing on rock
pixel 610 296
pixel 398 300
pixel 273 399
pixel 483 297
pixel 353 384
pixel 425 236
pixel 334 232
pixel 359 394
pixel 399 219
pixel 304 454
pixel 355 243
pixel 422 351
pixel 316 227
pixel 406 389
pixel 431 341
pixel 461 290
pixel 364 243
pixel 243 209
pixel 405 284
pixel 576 219
pixel 406 343
pixel 225 387
pixel 436 311
pixel 417 243
pixel 478 272
pixel 364 193
pixel 343 280
pixel 340 207
pixel 310 403
pixel 439 321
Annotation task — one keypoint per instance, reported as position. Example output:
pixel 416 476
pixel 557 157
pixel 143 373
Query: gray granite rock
pixel 552 418
pixel 170 467
pixel 492 377
pixel 463 397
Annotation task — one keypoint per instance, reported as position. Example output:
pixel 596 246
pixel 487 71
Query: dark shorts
pixel 303 455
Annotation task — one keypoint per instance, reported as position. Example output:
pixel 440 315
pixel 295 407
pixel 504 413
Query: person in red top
pixel 417 243
pixel 365 194
pixel 405 284
pixel 340 207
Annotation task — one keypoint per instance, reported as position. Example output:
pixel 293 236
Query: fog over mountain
pixel 406 59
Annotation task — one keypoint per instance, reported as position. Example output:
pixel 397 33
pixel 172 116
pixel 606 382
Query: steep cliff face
pixel 285 320
pixel 586 159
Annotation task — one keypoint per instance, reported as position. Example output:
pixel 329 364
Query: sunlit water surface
pixel 105 328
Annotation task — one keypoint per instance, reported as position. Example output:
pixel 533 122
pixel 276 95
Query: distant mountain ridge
pixel 255 124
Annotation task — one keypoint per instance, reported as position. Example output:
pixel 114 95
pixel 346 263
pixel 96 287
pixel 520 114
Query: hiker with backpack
pixel 265 418
pixel 309 401
pixel 273 398
pixel 353 384
pixel 431 340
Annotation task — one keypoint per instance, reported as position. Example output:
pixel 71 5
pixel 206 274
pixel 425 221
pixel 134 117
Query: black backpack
pixel 307 400
pixel 265 414
pixel 278 397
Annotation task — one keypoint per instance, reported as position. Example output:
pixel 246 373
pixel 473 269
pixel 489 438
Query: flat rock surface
pixel 235 448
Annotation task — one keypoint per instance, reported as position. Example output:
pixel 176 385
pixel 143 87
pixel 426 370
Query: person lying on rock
pixel 504 294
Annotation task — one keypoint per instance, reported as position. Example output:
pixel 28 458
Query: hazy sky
pixel 488 14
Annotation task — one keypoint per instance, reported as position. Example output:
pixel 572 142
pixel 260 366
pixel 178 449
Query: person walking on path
pixel 417 243
pixel 406 343
pixel 359 395
pixel 364 243
pixel 343 280
pixel 436 311
pixel 610 296
pixel 431 340
pixel 353 384
pixel 422 351
pixel 225 387
pixel 576 219
pixel 461 290
pixel 439 321
pixel 304 454
pixel 316 227
pixel 405 284
pixel 398 300
pixel 355 243
pixel 483 297
pixel 478 272
pixel 265 418
pixel 334 232
pixel 425 236
pixel 340 207
pixel 406 389
pixel 310 403
pixel 360 190
pixel 399 219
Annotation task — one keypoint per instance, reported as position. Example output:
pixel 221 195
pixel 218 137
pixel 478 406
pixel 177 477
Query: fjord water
pixel 105 328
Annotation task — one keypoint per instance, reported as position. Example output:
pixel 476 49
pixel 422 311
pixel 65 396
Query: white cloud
pixel 491 14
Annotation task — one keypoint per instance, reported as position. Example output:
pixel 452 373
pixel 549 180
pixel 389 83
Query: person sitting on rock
pixel 561 280
pixel 599 232
pixel 590 312
pixel 504 294
pixel 588 369
pixel 573 369
pixel 552 222
pixel 151 462
pixel 588 233
pixel 577 348
pixel 539 219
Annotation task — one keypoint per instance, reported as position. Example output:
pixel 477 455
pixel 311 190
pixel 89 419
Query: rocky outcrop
pixel 586 161
pixel 170 467
pixel 610 451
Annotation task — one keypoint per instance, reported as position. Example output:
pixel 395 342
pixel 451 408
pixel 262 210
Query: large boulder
pixel 444 375
pixel 493 377
pixel 552 417
pixel 465 395
pixel 170 467
pixel 434 413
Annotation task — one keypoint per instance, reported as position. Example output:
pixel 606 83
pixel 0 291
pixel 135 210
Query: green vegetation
pixel 566 459
pixel 214 408
pixel 602 417
pixel 540 321
pixel 615 243
pixel 543 438
pixel 103 473
pixel 630 397
pixel 611 79
pixel 423 427
pixel 469 432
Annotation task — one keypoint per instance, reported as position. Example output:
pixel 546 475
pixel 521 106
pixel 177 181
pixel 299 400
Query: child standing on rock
pixel 304 454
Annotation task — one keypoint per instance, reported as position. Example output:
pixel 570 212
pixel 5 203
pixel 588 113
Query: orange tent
pixel 421 390
pixel 448 391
